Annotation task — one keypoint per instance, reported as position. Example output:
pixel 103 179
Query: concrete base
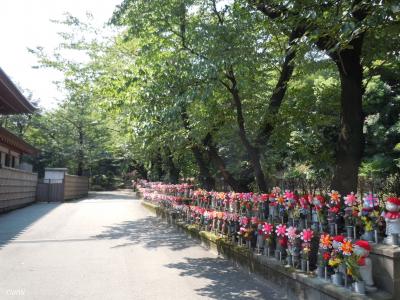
pixel 297 285
pixel 386 264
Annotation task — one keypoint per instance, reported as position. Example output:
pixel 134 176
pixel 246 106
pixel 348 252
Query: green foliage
pixel 143 94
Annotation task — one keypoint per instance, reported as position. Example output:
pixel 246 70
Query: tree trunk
pixel 252 152
pixel 281 86
pixel 350 144
pixel 157 167
pixel 205 178
pixel 207 182
pixel 173 170
pixel 212 152
pixel 80 154
pixel 139 167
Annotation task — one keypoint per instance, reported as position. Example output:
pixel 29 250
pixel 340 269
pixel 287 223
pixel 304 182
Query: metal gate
pixel 50 190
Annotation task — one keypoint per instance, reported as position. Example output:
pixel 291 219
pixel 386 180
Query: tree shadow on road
pixel 150 231
pixel 227 281
pixel 15 223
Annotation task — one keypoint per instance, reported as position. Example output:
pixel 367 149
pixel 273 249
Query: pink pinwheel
pixel 350 199
pixel 280 230
pixel 304 202
pixel 289 195
pixel 291 233
pixel 267 228
pixel 254 220
pixel 244 221
pixel 306 235
pixel 370 200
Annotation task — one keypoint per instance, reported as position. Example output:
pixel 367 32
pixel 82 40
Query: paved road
pixel 110 247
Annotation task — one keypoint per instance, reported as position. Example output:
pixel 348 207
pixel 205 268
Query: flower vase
pixel 278 254
pixel 302 224
pixel 295 261
pixel 359 287
pixel 337 279
pixel 368 236
pixel 267 248
pixel 272 211
pixel 320 272
pixel 248 245
pixel 289 260
pixel 303 265
pixel 349 231
pixel 332 230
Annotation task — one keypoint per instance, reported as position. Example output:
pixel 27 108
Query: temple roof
pixel 16 143
pixel 11 99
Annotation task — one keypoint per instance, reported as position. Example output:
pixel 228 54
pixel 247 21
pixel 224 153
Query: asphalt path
pixel 108 246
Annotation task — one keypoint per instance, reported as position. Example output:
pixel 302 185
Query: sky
pixel 26 24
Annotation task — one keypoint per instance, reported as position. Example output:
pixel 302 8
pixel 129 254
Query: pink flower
pixel 254 220
pixel 267 228
pixel 306 235
pixel 291 233
pixel 350 199
pixel 244 221
pixel 289 195
pixel 304 201
pixel 281 230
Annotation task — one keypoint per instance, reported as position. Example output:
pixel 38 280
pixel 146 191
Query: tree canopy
pixel 236 94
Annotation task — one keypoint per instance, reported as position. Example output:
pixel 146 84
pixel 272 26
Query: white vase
pixel 359 287
pixel 337 279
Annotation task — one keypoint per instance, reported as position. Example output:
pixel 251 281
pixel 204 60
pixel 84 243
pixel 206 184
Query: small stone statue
pixel 363 248
pixel 392 219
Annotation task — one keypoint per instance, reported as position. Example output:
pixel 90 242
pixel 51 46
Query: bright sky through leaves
pixel 26 24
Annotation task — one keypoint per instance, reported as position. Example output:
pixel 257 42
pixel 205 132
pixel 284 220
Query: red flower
pixel 334 209
pixel 326 256
pixel 283 242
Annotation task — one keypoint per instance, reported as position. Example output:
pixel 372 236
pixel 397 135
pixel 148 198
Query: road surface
pixel 108 246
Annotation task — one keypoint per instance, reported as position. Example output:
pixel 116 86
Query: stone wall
pixel 75 187
pixel 386 263
pixel 296 284
pixel 17 188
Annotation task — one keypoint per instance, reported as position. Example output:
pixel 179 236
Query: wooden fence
pixel 17 188
pixel 50 190
pixel 75 187
pixel 58 190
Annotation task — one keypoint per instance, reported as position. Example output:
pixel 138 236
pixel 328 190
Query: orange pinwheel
pixel 346 247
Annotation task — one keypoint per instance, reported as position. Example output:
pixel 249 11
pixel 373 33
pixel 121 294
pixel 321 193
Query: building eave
pixel 15 142
pixel 12 101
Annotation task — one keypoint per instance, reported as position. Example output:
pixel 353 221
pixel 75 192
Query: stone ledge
pixel 386 250
pixel 296 284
